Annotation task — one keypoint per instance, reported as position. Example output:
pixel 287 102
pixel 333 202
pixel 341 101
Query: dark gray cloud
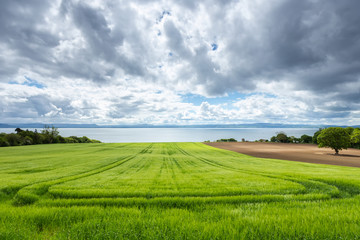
pixel 102 42
pixel 25 30
pixel 175 40
pixel 96 31
pixel 299 36
pixel 313 45
pixel 21 34
pixel 202 67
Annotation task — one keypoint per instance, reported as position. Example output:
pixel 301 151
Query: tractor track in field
pixel 313 184
pixel 45 185
pixel 331 189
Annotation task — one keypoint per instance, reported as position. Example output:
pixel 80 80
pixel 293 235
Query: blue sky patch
pixel 214 46
pixel 230 98
pixel 29 82
pixel 198 99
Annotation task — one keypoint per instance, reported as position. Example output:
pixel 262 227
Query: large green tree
pixel 336 138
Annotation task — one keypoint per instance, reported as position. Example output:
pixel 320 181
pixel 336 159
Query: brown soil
pixel 309 153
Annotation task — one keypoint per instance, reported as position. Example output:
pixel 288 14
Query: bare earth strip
pixel 309 153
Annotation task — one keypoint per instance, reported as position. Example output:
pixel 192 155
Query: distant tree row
pixel 226 140
pixel 336 138
pixel 46 136
pixel 281 137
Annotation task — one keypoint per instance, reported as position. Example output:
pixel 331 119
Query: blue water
pixel 111 135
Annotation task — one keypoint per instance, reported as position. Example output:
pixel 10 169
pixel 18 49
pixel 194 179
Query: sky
pixel 180 62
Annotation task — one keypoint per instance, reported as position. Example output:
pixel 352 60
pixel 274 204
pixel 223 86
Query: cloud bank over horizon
pixel 180 62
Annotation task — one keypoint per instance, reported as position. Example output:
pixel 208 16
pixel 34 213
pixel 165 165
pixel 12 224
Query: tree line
pixel 48 135
pixel 336 138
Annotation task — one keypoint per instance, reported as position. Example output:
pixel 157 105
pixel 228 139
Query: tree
pixel 37 137
pixel 28 141
pixel 306 139
pixel 316 134
pixel 349 130
pixel 50 134
pixel 18 130
pixel 13 139
pixel 4 142
pixel 336 138
pixel 282 137
pixel 293 139
pixel 355 136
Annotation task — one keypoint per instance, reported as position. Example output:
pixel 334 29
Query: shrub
pixel 70 140
pixel 282 137
pixel 13 139
pixel 293 139
pixel 85 139
pixel 76 139
pixel 28 141
pixel 61 139
pixel 4 142
pixel 306 139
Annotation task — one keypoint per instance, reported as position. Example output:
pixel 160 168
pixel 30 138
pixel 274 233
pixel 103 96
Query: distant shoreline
pixel 117 135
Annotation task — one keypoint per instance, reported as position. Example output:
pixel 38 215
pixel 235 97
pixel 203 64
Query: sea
pixel 121 135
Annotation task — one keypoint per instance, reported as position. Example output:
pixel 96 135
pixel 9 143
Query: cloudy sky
pixel 180 62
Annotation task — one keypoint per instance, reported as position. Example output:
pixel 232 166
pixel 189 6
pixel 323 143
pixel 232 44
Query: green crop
pixel 171 191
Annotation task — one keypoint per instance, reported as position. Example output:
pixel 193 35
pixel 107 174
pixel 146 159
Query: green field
pixel 171 191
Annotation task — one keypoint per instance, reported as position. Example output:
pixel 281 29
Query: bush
pixel 61 139
pixel 85 139
pixel 28 141
pixel 306 139
pixel 282 137
pixel 293 139
pixel 4 142
pixel 13 139
pixel 76 139
pixel 70 140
